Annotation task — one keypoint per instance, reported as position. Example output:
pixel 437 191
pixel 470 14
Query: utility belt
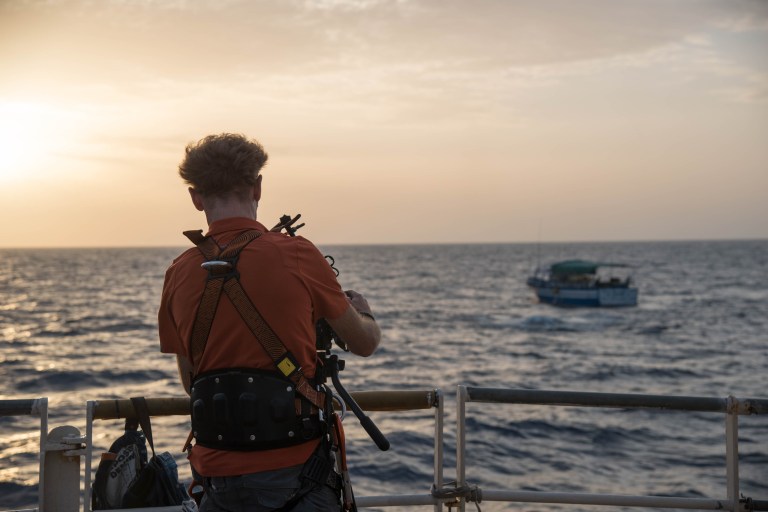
pixel 250 410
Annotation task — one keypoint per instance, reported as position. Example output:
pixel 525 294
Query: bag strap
pixel 223 276
pixel 142 413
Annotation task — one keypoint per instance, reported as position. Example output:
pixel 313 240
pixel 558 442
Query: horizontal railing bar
pixel 397 500
pixel 390 400
pixel 171 508
pixel 19 407
pixel 619 400
pixel 123 408
pixel 606 499
pixel 179 406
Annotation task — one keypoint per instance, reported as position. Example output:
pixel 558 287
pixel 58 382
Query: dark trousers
pixel 266 491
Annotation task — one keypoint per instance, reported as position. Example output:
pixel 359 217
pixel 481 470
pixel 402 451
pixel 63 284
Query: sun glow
pixel 30 134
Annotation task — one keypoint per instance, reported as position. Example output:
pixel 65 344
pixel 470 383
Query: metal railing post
pixel 41 407
pixel 732 451
pixel 89 416
pixel 61 488
pixel 438 472
pixel 461 412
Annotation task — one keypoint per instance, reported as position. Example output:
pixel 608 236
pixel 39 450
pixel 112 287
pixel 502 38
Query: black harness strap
pixel 225 277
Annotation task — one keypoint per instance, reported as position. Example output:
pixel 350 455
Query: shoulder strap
pixel 281 357
pixel 220 264
pixel 223 275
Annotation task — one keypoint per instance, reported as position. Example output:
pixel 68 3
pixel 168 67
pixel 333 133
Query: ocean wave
pixel 605 373
pixel 57 332
pixel 538 323
pixel 18 495
pixel 57 381
pixel 123 327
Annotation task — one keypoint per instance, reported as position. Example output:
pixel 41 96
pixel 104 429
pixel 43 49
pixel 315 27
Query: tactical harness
pixel 247 409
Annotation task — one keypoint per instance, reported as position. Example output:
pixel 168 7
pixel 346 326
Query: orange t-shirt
pixel 291 285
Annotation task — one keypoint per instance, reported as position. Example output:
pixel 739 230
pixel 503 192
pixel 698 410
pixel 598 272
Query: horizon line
pixel 384 244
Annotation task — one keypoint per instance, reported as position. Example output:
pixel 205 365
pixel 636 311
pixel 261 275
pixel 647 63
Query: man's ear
pixel 197 199
pixel 257 189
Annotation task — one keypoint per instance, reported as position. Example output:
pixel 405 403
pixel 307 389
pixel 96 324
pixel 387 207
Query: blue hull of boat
pixel 586 296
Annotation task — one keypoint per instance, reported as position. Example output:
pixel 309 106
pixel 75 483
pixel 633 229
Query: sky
pixel 389 121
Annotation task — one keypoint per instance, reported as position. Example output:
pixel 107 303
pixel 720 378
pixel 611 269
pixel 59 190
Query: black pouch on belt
pixel 244 409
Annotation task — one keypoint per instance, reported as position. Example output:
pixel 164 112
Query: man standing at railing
pixel 240 311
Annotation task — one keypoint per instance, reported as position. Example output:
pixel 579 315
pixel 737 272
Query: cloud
pixel 200 40
pixel 381 57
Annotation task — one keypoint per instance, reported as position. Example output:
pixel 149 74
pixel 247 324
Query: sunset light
pixel 557 120
pixel 20 144
pixel 34 138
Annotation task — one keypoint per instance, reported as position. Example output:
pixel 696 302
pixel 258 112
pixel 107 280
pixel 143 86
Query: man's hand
pixel 358 302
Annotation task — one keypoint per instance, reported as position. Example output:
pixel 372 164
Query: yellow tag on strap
pixel 286 366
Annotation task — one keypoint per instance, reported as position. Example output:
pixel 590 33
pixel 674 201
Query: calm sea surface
pixel 81 324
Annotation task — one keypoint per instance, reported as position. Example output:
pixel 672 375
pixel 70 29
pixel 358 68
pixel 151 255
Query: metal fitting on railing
pixel 69 445
pixel 451 496
pixel 751 505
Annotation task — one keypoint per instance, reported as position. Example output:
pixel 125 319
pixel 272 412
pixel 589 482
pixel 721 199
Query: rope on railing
pixel 471 493
pixel 753 505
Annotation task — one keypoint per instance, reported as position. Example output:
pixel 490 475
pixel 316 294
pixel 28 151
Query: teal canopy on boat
pixel 580 267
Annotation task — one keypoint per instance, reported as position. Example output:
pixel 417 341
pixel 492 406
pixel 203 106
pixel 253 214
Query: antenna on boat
pixel 538 245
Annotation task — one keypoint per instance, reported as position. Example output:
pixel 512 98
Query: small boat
pixel 584 283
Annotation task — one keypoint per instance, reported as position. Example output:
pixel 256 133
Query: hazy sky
pixel 389 121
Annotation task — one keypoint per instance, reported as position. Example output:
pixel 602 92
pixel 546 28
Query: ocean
pixel 79 325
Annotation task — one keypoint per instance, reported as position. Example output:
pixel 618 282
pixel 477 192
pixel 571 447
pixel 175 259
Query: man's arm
pixel 356 326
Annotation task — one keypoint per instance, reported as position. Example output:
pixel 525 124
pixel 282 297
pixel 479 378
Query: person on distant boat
pixel 240 313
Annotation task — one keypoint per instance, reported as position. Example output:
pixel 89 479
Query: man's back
pixel 289 283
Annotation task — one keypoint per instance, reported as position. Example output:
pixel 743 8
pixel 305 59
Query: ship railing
pixel 59 452
pixel 31 407
pixel 61 449
pixel 731 407
pixel 369 401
